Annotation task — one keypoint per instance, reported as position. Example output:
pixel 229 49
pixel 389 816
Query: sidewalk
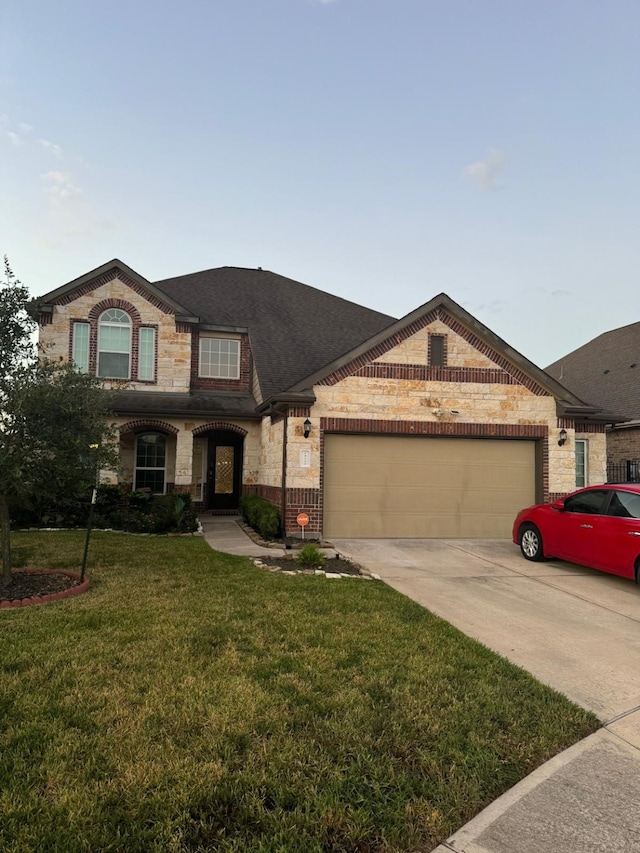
pixel 584 800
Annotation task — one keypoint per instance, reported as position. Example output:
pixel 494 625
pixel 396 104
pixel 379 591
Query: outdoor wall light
pixel 562 437
pixel 306 428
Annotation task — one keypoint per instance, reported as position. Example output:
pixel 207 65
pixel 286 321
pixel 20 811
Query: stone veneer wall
pixel 173 359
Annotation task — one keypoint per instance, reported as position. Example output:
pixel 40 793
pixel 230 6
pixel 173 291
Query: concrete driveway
pixel 575 629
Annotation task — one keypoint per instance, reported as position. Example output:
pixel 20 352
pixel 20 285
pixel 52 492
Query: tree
pixel 54 421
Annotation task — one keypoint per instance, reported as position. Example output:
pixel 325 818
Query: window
pixel 151 455
pixel 581 463
pixel 219 358
pixel 590 503
pixel 624 505
pixel 80 346
pixel 146 353
pixel 114 344
pixel 436 347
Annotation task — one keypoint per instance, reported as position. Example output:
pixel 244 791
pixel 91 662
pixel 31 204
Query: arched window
pixel 151 462
pixel 114 344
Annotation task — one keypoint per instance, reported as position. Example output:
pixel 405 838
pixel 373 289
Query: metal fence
pixel 624 472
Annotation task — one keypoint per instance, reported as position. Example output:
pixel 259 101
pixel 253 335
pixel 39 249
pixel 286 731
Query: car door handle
pixel 589 526
pixel 634 533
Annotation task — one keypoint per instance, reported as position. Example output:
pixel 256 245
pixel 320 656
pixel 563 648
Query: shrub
pixel 310 557
pixel 262 516
pixel 116 508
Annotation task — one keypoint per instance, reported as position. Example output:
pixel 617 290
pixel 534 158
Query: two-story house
pixel 243 381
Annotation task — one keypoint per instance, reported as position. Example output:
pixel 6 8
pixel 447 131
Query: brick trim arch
pixel 148 423
pixel 201 430
pixel 127 307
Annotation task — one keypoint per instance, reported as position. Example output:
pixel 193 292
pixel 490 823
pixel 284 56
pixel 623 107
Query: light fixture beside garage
pixel 562 437
pixel 306 428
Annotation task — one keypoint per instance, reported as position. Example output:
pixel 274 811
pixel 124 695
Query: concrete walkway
pixel 223 534
pixel 576 630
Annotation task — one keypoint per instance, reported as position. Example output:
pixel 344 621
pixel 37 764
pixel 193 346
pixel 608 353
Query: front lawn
pixel 191 702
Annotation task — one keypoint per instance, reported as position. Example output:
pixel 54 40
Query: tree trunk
pixel 5 542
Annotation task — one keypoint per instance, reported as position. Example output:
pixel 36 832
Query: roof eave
pixel 115 264
pixel 554 388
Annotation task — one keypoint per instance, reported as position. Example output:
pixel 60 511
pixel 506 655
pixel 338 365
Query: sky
pixel 381 150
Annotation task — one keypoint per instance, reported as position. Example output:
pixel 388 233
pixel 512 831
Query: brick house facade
pixel 424 426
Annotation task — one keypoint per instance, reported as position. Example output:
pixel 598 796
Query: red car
pixel 597 527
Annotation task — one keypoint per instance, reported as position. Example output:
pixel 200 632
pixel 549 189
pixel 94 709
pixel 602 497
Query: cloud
pixel 60 186
pixel 15 138
pixel 70 215
pixel 25 128
pixel 483 173
pixel 56 150
pixel 555 292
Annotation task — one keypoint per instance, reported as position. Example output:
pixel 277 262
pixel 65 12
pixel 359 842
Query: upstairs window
pixel 146 353
pixel 80 351
pixel 114 344
pixel 219 358
pixel 436 350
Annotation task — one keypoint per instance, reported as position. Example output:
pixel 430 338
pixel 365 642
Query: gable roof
pixel 444 308
pixel 102 274
pixel 605 371
pixel 294 329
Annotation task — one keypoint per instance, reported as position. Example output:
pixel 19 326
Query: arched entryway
pixel 224 469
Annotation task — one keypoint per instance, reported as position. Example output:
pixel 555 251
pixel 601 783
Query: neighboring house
pixel 606 371
pixel 241 381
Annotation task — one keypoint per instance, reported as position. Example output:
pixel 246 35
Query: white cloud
pixel 15 138
pixel 25 128
pixel 483 173
pixel 60 186
pixel 52 147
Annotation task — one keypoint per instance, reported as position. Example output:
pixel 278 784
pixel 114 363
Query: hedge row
pixel 261 515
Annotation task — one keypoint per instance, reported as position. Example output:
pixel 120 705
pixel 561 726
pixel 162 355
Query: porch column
pixel 184 456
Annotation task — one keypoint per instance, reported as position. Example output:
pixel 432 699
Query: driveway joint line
pixel 622 715
pixel 623 739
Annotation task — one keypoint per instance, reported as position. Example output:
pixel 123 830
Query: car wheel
pixel 531 543
pixel 637 571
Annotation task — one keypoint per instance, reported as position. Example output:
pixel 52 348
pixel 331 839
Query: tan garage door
pixel 395 487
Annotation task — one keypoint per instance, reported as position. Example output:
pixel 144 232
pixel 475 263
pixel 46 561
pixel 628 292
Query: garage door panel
pixel 397 487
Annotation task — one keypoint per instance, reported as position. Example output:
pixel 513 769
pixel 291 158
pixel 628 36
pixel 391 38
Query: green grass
pixel 192 702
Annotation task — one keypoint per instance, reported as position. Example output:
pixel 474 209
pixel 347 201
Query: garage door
pixel 395 487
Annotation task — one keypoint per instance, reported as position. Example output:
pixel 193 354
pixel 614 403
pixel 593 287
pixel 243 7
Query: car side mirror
pixel 559 505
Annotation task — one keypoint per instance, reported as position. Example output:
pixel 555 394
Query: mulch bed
pixel 332 564
pixel 31 583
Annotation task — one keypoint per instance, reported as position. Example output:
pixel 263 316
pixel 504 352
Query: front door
pixel 224 474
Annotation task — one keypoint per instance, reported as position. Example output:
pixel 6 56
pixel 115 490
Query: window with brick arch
pixel 114 344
